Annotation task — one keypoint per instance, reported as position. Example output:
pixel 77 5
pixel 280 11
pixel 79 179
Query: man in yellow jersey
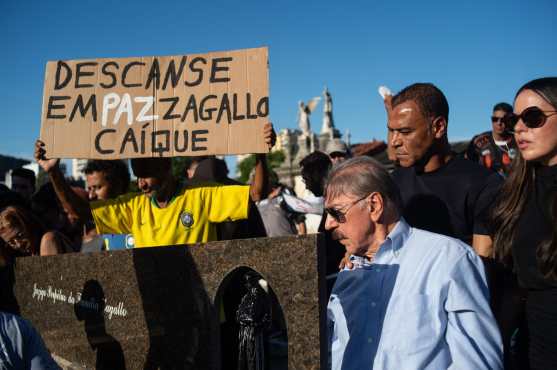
pixel 163 213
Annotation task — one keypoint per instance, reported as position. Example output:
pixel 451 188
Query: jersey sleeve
pixel 227 203
pixel 113 216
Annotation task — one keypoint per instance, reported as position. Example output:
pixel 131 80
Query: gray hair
pixel 360 177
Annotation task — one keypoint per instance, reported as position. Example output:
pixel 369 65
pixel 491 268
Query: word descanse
pixel 111 74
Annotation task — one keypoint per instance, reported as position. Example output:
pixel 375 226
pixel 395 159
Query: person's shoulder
pixel 480 141
pixel 204 190
pixel 437 239
pixel 61 241
pixel 439 246
pixel 55 236
pixel 473 176
pixel 485 134
pixel 205 186
pixel 192 184
pixel 465 167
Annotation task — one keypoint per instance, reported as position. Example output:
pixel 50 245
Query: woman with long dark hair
pixel 525 218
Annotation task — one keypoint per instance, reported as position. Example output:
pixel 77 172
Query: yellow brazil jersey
pixel 189 218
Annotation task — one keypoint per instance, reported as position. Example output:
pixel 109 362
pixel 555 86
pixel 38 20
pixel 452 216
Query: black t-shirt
pixel 533 227
pixel 454 200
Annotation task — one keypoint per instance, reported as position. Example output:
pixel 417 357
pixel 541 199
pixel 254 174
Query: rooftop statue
pixel 328 123
pixel 304 112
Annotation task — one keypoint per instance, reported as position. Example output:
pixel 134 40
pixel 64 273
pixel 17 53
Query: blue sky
pixel 477 52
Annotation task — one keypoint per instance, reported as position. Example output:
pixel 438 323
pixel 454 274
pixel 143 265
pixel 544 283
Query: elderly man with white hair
pixel 413 299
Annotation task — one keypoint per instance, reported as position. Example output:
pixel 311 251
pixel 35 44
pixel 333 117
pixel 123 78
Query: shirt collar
pixel 155 203
pixel 394 242
pixel 399 235
pixel 396 239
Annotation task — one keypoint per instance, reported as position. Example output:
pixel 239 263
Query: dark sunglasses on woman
pixel 533 117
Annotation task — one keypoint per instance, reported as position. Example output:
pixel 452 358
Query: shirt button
pixel 369 340
pixel 373 304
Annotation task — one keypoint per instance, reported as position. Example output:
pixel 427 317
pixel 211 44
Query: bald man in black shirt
pixel 441 192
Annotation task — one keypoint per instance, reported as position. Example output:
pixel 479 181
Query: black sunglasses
pixel 496 119
pixel 533 117
pixel 340 216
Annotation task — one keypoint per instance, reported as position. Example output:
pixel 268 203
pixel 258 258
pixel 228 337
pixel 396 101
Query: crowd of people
pixel 448 261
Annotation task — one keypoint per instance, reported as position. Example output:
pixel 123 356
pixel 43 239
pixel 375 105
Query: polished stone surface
pixel 154 307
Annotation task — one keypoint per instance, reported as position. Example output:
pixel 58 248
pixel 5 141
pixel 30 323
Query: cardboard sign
pixel 185 105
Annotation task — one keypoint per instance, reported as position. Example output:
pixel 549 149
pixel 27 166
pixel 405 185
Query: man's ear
pixel 439 127
pixel 376 206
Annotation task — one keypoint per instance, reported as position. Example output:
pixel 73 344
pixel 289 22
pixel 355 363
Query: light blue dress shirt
pixel 21 346
pixel 421 304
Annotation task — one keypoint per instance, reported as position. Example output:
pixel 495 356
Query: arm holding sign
pixel 259 186
pixel 71 202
